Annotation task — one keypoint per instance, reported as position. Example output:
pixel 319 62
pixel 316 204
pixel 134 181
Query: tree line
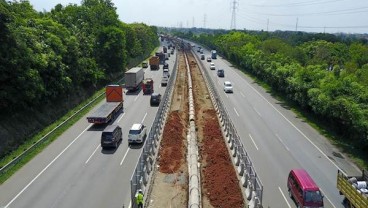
pixel 325 75
pixel 47 57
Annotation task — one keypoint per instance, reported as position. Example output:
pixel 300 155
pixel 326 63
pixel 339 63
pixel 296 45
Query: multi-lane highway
pixel 277 140
pixel 74 171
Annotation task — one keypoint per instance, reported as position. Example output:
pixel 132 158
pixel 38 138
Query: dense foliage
pixel 47 57
pixel 325 75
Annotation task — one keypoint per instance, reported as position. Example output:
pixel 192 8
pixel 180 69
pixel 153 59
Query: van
pixel 303 189
pixel 111 136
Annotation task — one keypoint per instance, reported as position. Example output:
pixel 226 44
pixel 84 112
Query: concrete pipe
pixel 249 190
pixel 241 169
pixel 232 144
pixel 237 160
pixel 234 151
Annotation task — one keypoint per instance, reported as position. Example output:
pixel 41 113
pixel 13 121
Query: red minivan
pixel 304 190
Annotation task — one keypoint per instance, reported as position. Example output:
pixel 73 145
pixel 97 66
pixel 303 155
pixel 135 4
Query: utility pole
pixel 204 21
pixel 296 26
pixel 233 15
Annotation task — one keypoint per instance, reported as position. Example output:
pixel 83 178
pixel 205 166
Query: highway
pixel 277 140
pixel 74 171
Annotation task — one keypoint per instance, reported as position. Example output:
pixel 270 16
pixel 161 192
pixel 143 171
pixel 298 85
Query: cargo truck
pixel 154 63
pixel 134 78
pixel 214 54
pixel 164 49
pixel 354 188
pixel 147 86
pixel 162 57
pixel 109 110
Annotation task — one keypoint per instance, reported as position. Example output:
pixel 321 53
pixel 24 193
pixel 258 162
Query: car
pixel 202 57
pixel 228 87
pixel 201 51
pixel 137 134
pixel 220 73
pixel 155 99
pixel 209 59
pixel 166 66
pixel 145 64
pixel 164 81
pixel 212 66
pixel 166 73
pixel 111 136
pixel 172 51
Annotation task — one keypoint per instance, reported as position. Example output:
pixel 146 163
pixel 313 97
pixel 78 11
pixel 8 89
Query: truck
pixel 147 86
pixel 110 109
pixel 214 54
pixel 154 63
pixel 164 49
pixel 354 188
pixel 162 57
pixel 134 78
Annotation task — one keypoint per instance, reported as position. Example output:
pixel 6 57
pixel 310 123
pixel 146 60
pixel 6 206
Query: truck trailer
pixel 154 63
pixel 147 86
pixel 162 57
pixel 214 54
pixel 109 110
pixel 354 188
pixel 134 78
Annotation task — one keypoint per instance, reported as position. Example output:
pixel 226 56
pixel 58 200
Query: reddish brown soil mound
pixel 172 155
pixel 220 182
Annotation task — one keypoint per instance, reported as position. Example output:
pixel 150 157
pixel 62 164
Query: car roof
pixel 136 126
pixel 305 180
pixel 155 94
pixel 110 128
pixel 212 63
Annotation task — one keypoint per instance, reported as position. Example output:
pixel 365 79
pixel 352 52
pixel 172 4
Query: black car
pixel 155 99
pixel 111 136
pixel 221 73
pixel 166 66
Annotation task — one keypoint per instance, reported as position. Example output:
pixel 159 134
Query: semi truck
pixel 147 86
pixel 109 110
pixel 134 78
pixel 162 57
pixel 214 54
pixel 354 188
pixel 154 63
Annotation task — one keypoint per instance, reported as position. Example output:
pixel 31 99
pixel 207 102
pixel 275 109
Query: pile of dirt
pixel 171 152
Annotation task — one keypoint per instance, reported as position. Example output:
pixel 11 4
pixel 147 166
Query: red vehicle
pixel 147 86
pixel 304 190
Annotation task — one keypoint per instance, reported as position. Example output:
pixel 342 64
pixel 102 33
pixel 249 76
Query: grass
pixel 50 138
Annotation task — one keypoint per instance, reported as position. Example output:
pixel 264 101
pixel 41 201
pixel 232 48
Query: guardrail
pixel 145 165
pixel 253 187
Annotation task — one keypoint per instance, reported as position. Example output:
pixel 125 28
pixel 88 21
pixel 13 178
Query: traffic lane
pixel 269 138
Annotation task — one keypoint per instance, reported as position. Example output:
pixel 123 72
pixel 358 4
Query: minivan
pixel 111 136
pixel 304 190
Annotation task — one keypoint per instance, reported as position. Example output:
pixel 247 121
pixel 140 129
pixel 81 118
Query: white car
pixel 228 87
pixel 137 133
pixel 212 66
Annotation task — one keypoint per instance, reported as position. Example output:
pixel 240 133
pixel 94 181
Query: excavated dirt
pixel 220 186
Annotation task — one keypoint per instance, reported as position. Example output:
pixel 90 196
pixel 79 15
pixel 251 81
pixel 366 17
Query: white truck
pixel 134 78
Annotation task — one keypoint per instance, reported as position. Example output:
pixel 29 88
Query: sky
pixel 330 16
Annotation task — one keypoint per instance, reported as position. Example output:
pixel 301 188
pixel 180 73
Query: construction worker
pixel 139 198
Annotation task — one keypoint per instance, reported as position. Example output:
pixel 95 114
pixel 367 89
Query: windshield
pixel 134 132
pixel 228 84
pixel 313 196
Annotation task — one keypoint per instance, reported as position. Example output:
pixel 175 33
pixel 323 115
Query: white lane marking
pixel 121 117
pixel 253 141
pixel 38 175
pixel 144 117
pixel 328 199
pixel 296 128
pixel 282 142
pixel 135 99
pixel 130 204
pixel 93 153
pixel 236 112
pixel 257 112
pixel 284 198
pixel 124 156
pixel 242 94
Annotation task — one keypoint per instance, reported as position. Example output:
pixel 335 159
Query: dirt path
pixel 220 186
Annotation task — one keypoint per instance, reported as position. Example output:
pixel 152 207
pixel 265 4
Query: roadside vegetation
pixel 52 61
pixel 324 77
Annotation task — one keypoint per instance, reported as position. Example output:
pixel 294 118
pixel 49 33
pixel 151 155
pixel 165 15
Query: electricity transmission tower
pixel 233 15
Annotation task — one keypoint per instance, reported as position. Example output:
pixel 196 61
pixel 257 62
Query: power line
pixel 295 4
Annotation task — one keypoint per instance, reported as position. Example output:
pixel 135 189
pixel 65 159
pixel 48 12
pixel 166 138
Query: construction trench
pixel 210 180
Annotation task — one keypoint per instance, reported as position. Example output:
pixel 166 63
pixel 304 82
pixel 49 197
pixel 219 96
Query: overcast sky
pixel 350 16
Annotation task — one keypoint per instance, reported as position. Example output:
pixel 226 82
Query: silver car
pixel 228 87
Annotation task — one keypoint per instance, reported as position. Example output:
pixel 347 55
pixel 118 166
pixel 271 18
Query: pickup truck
pixel 137 134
